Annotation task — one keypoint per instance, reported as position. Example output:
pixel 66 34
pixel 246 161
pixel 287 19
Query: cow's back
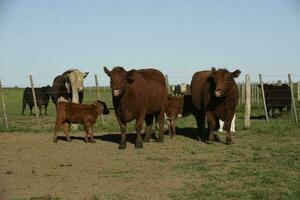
pixel 147 93
pixel 59 89
pixel 200 89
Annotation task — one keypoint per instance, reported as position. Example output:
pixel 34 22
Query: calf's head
pixel 102 107
pixel 119 78
pixel 224 81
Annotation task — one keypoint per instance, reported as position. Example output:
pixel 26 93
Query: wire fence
pixel 97 87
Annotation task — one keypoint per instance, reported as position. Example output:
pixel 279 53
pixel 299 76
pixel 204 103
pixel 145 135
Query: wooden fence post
pixel 258 94
pixel 298 90
pixel 97 86
pixel 293 98
pixel 243 92
pixel 252 93
pixel 263 97
pixel 167 84
pixel 98 96
pixel 3 106
pixel 247 100
pixel 35 103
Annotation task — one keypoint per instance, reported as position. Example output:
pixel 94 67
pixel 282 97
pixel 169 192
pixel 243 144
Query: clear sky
pixel 45 38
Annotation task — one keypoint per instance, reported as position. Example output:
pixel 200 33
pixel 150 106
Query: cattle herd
pixel 142 95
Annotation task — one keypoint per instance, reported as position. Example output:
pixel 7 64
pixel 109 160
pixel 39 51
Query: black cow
pixel 42 98
pixel 277 97
pixel 62 88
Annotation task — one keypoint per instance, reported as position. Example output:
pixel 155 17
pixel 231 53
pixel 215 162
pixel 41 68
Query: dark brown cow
pixel 215 95
pixel 78 113
pixel 176 106
pixel 141 95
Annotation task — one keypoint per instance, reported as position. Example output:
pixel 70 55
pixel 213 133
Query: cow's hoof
pixel 229 142
pixel 160 140
pixel 139 146
pixel 122 146
pixel 147 140
pixel 54 140
pixel 210 142
pixel 86 140
pixel 93 140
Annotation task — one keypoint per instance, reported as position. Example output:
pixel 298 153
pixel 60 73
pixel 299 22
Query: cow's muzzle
pixel 218 93
pixel 116 93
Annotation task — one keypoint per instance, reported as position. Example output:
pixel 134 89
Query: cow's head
pixel 119 78
pixel 76 79
pixel 224 81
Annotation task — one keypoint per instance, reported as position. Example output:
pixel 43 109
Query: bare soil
pixel 32 166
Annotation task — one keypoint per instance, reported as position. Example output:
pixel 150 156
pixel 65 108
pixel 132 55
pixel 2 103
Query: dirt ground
pixel 257 166
pixel 32 166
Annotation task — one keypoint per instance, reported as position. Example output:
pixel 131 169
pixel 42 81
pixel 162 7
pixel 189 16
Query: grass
pixel 264 162
pixel 28 123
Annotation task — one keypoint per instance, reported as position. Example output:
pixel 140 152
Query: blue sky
pixel 44 38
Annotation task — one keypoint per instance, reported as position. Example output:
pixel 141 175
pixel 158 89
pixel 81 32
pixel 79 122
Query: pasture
pixel 263 162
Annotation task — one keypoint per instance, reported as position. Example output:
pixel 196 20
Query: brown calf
pixel 176 106
pixel 78 113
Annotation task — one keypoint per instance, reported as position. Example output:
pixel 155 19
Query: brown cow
pixel 176 106
pixel 215 95
pixel 78 113
pixel 141 95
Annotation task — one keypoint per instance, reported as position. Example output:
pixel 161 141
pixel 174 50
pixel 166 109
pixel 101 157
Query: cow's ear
pixel 236 73
pixel 213 70
pixel 85 74
pixel 130 75
pixel 107 71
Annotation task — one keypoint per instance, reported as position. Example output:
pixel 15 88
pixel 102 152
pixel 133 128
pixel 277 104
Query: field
pixel 263 162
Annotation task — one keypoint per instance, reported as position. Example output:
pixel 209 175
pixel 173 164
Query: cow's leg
pixel 66 131
pixel 273 112
pixel 211 119
pixel 200 119
pixel 280 111
pixel 161 119
pixel 138 129
pixel 40 109
pixel 46 110
pixel 232 127
pixel 227 128
pixel 149 123
pixel 30 107
pixel 23 107
pixel 123 127
pixel 56 129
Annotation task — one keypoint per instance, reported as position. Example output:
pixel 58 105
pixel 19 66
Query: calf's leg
pixel 66 131
pixel 90 133
pixel 56 129
pixel 173 126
